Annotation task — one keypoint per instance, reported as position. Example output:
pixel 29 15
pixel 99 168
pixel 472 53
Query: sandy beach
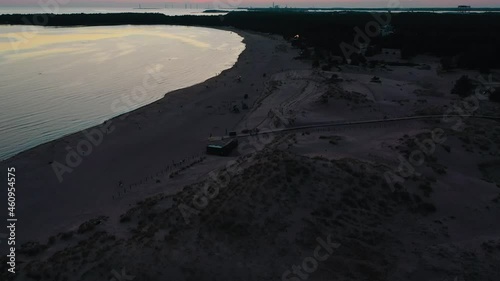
pixel 137 145
pixel 406 200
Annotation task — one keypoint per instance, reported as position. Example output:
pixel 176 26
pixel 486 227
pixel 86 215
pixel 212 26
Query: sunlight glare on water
pixel 56 81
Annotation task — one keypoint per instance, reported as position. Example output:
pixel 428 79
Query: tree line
pixel 462 40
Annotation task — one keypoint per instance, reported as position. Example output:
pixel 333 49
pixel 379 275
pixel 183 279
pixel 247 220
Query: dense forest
pixel 463 40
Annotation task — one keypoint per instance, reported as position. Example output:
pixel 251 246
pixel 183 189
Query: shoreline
pixel 149 192
pixel 129 104
pixel 140 141
pixel 396 199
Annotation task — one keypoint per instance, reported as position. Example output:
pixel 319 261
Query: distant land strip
pixel 469 40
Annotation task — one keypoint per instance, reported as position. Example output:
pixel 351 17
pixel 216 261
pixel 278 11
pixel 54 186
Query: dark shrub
pixel 464 87
pixel 495 95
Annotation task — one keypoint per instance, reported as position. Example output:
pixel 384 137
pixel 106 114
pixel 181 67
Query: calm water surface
pixel 56 81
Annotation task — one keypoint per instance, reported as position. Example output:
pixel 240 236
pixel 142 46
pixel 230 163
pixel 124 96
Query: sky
pixel 263 3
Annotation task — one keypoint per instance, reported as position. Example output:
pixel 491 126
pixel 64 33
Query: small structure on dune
pixel 222 148
pixel 390 55
pixel 376 79
pixel 396 53
pixel 387 30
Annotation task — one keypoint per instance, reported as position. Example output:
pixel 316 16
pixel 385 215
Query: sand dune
pixel 148 202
